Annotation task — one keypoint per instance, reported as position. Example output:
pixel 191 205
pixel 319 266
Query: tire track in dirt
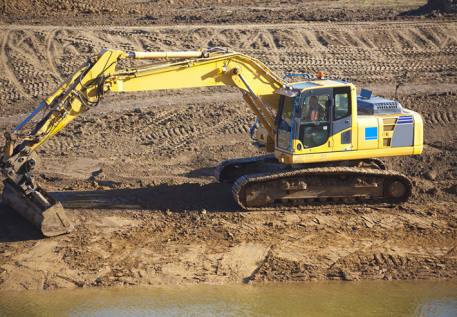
pixel 284 26
pixel 51 55
pixel 180 130
pixel 10 75
pixel 441 118
pixel 163 132
pixel 357 51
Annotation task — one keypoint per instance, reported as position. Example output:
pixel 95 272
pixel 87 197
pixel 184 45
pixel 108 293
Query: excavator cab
pixel 306 119
pixel 325 120
pixel 309 119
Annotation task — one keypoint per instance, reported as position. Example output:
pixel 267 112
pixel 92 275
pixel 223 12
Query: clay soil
pixel 135 174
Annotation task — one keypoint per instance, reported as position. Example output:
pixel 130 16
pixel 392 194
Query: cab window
pixel 314 125
pixel 286 114
pixel 342 103
pixel 284 134
pixel 315 108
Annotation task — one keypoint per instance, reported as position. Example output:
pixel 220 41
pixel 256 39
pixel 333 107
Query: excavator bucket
pixel 47 214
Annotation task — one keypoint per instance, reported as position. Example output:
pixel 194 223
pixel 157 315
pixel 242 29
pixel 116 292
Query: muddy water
pixel 370 298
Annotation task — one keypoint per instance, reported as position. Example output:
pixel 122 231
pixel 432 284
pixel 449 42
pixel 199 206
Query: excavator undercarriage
pixel 263 183
pixel 326 184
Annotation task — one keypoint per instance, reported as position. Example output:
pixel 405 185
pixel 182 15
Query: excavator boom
pixel 102 74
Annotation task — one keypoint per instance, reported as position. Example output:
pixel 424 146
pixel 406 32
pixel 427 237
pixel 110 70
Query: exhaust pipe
pixel 43 211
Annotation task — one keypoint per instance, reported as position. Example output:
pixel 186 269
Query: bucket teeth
pixel 50 218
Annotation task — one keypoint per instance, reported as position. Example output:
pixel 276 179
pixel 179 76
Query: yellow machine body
pixel 304 122
pixel 360 146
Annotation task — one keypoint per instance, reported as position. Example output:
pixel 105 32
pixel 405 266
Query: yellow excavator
pixel 322 140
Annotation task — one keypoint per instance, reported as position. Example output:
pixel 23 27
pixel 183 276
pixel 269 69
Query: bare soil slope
pixel 136 172
pixel 127 12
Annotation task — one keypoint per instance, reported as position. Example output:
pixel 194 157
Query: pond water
pixel 364 298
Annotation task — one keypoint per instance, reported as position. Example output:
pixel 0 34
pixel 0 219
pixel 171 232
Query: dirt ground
pixel 159 12
pixel 135 174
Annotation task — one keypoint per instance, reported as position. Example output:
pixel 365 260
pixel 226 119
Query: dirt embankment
pixel 124 12
pixel 136 173
pixel 36 59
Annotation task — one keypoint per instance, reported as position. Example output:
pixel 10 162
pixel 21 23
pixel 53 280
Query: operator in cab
pixel 316 111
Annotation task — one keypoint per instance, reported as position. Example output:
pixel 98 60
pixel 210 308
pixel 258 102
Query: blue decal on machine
pixel 371 133
pixel 405 120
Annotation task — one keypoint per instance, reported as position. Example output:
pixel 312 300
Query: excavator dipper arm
pixel 84 90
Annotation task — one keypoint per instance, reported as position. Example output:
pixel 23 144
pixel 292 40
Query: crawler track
pixel 229 171
pixel 304 186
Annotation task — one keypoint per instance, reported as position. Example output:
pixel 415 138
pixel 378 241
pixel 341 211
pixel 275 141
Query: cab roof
pixel 293 89
pixel 318 83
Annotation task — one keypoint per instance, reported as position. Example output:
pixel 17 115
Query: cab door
pixel 285 124
pixel 315 120
pixel 341 128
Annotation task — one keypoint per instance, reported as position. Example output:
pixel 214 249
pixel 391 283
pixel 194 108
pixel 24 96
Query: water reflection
pixel 440 308
pixel 315 299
